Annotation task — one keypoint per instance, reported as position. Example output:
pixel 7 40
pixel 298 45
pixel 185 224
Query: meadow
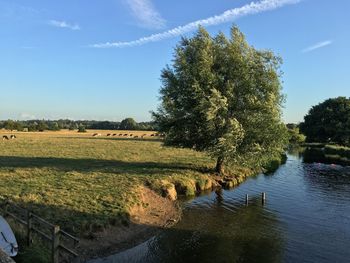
pixel 86 183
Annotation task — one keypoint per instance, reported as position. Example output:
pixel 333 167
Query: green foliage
pixel 295 137
pixel 12 125
pixel 81 128
pixel 328 121
pixel 42 126
pixel 72 127
pixel 54 126
pixel 337 150
pixel 223 96
pixel 128 124
pixel 32 125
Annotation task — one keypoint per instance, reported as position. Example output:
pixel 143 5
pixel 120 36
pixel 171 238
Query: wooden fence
pixel 60 241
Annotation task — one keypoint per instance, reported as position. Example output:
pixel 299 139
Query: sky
pixel 101 60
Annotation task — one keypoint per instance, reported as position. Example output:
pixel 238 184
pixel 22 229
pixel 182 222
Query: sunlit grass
pixel 81 182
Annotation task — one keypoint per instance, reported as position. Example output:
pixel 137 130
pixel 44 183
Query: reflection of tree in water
pixel 333 180
pixel 295 150
pixel 216 234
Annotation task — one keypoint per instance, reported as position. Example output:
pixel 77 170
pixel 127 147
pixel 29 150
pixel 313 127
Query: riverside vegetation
pixel 220 111
pixel 88 184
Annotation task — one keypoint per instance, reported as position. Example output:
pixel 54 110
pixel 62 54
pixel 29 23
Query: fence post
pixel 55 243
pixel 29 228
pixel 263 198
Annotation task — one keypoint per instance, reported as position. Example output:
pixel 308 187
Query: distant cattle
pixel 152 135
pixel 108 134
pixel 114 134
pixel 136 136
pixel 96 134
pixel 125 134
pixel 13 136
pixel 131 135
pixel 5 137
pixel 120 134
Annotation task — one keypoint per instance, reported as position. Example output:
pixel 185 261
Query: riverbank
pixel 326 153
pixel 307 205
pixel 158 210
pixel 90 186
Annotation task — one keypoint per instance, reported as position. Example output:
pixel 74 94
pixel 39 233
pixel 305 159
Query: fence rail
pixel 35 224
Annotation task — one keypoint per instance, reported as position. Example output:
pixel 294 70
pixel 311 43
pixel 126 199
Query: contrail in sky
pixel 317 46
pixel 227 16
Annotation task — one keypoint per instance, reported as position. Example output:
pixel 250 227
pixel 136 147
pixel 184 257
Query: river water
pixel 306 218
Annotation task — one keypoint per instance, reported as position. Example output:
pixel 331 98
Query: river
pixel 306 218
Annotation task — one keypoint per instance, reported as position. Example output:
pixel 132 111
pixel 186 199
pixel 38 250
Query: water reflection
pixel 218 235
pixel 306 219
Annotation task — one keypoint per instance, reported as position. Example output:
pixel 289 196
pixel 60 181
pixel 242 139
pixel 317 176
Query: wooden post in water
pixel 246 199
pixel 55 243
pixel 263 198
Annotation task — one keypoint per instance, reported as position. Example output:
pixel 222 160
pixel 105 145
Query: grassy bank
pixel 86 183
pixel 336 154
pixel 82 182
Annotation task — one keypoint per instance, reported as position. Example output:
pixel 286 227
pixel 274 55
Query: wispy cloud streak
pixel 317 46
pixel 227 16
pixel 146 14
pixel 64 24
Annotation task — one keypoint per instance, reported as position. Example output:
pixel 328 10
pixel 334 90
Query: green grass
pixel 337 150
pixel 84 183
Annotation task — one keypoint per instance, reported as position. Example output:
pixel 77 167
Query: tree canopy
pixel 128 124
pixel 328 121
pixel 224 97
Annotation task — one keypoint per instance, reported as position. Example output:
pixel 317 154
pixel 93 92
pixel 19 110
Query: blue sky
pixel 85 60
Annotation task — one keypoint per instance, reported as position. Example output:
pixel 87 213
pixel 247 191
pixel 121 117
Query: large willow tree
pixel 223 96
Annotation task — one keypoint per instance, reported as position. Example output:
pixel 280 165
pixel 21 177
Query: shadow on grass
pixel 97 165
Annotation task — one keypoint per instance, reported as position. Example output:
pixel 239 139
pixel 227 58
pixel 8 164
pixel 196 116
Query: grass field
pixel 85 183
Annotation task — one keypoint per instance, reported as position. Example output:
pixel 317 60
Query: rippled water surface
pixel 306 219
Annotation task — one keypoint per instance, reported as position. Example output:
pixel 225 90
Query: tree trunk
pixel 220 166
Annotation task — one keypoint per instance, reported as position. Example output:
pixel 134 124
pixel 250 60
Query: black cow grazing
pixel 114 134
pixel 125 134
pixel 13 136
pixel 120 134
pixel 96 134
pixel 108 134
pixel 5 137
pixel 130 135
pixel 152 135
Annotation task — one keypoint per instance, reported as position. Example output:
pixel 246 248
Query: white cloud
pixel 227 16
pixel 27 116
pixel 317 46
pixel 64 24
pixel 146 14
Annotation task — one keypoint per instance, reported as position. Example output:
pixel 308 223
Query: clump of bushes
pixel 81 128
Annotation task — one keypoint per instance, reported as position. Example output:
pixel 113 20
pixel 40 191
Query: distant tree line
pixel 56 125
